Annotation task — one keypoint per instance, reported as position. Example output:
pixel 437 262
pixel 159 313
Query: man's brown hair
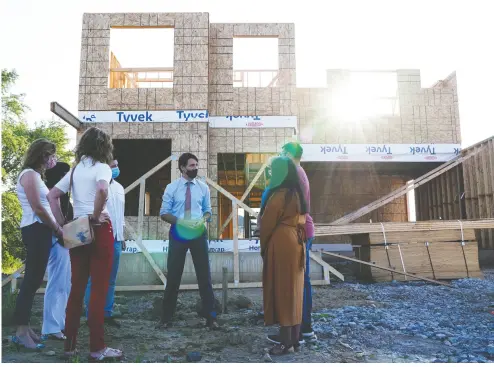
pixel 97 144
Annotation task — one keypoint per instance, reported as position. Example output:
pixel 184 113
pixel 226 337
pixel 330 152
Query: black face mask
pixel 192 173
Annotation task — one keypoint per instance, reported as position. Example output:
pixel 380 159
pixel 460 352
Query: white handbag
pixel 78 232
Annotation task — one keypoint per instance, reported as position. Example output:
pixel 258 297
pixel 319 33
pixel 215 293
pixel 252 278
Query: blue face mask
pixel 115 172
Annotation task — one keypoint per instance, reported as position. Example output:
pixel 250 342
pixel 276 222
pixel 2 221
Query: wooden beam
pixel 230 196
pixel 403 190
pixel 244 196
pixel 236 263
pixel 144 250
pixel 15 274
pixel 326 268
pixel 140 70
pixel 65 115
pixel 152 171
pixel 487 190
pixel 438 225
pixel 388 269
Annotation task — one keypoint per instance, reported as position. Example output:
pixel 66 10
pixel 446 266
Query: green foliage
pixel 16 138
pixel 8 306
pixel 13 106
pixel 12 247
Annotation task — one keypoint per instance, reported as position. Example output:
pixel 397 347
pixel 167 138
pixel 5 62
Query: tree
pixel 16 138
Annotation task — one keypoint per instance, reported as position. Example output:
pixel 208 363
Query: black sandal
pixel 280 349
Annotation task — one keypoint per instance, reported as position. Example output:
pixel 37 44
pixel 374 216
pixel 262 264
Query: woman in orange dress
pixel 283 251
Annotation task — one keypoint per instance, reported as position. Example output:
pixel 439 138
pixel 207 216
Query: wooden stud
pixel 445 199
pixel 490 179
pixel 140 224
pixel 450 191
pixel 244 196
pixel 13 285
pixel 487 194
pixel 438 225
pixel 388 269
pixel 435 204
pixel 460 178
pixel 230 196
pixel 236 263
pixel 149 173
pixel 430 199
pixel 225 289
pixel 326 268
pixel 480 194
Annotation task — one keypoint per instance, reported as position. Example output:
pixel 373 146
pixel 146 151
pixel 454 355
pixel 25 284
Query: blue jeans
pixel 307 307
pixel 110 295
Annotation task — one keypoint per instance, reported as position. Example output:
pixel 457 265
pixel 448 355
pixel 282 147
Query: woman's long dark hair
pixel 37 154
pixel 284 175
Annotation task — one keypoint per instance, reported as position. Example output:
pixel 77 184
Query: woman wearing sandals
pixel 58 285
pixel 91 177
pixel 283 251
pixel 37 227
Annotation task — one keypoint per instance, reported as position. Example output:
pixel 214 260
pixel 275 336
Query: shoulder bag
pixel 78 232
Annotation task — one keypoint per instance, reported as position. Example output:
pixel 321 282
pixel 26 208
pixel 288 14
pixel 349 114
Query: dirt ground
pixel 241 339
pixel 375 329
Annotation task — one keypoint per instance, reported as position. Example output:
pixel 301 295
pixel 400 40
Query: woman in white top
pixel 92 175
pixel 37 227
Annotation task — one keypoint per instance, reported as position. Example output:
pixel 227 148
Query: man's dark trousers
pixel 177 251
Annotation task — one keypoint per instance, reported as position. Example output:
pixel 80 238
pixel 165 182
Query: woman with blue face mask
pixel 116 208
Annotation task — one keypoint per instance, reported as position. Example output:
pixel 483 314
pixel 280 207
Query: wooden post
pixel 225 288
pixel 149 173
pixel 140 217
pixel 236 265
pixel 13 285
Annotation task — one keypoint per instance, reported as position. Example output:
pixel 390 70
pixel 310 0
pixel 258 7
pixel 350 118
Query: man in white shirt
pixel 116 209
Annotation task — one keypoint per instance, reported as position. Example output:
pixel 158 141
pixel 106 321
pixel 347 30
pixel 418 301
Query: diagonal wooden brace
pixel 244 196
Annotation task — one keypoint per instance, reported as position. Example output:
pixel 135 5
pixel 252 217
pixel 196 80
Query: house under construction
pixel 364 135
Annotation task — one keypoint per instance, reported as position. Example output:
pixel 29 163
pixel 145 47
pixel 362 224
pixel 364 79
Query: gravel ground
pixel 385 322
pixel 418 322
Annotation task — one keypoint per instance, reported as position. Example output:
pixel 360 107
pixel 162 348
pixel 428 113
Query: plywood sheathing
pixel 224 99
pixel 479 189
pixel 427 115
pixel 448 197
pixel 341 191
pixel 190 86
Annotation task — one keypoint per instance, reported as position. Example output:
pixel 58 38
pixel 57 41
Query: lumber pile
pixel 387 227
pixel 434 254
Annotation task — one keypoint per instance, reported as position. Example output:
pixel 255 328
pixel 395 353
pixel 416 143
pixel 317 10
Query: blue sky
pixel 41 39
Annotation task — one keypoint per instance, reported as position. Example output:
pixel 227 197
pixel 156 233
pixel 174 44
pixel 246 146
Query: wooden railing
pixel 255 78
pixel 154 77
